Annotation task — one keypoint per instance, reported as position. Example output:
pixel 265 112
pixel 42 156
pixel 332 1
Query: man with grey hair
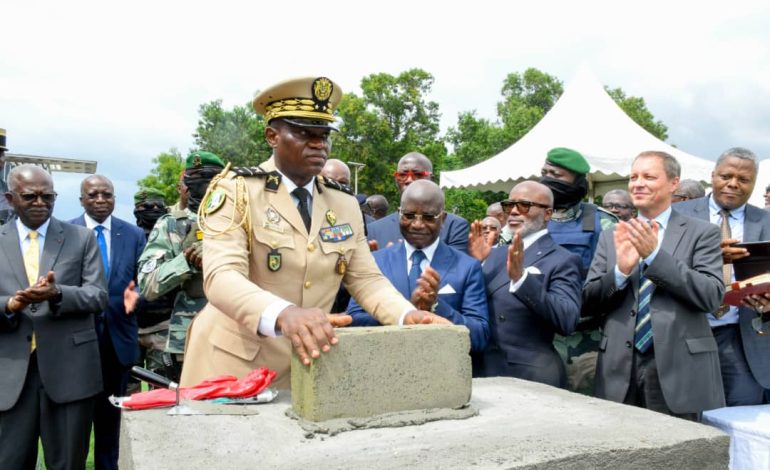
pixel 741 332
pixel 688 189
pixel 496 211
pixel 336 170
pixel 533 291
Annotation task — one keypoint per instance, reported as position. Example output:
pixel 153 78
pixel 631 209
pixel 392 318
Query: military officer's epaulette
pixel 272 178
pixel 330 183
pixel 248 171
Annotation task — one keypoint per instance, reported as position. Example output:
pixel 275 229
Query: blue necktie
pixel 102 242
pixel 414 273
pixel 643 331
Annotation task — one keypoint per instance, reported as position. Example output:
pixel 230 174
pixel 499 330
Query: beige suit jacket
pixel 239 285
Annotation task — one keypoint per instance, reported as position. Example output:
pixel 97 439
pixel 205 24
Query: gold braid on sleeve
pixel 240 217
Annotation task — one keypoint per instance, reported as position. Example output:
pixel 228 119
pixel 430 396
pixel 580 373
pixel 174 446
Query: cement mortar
pixel 387 420
pixel 520 425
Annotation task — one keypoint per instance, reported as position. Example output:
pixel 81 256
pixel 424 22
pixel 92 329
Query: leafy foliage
pixel 165 175
pixel 236 135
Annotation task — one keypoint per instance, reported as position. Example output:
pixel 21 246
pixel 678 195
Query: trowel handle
pixel 152 378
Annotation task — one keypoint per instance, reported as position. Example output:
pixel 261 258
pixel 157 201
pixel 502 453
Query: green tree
pixel 636 109
pixel 165 175
pixel 391 118
pixel 236 135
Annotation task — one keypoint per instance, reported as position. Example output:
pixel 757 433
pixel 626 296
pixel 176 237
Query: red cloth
pixel 221 386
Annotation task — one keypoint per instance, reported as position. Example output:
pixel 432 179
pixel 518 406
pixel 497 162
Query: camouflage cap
pixel 148 194
pixel 568 159
pixel 306 102
pixel 199 158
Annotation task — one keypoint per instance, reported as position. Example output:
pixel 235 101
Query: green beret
pixel 148 194
pixel 200 158
pixel 569 160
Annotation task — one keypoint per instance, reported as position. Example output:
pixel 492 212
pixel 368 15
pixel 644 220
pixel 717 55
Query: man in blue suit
pixel 120 245
pixel 433 275
pixel 412 167
pixel 744 354
pixel 534 291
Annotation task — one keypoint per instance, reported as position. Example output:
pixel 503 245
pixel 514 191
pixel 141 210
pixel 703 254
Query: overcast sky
pixel 120 83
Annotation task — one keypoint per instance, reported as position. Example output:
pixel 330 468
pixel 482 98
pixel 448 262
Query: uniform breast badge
pixel 274 260
pixel 342 265
pixel 331 217
pixel 336 233
pixel 272 221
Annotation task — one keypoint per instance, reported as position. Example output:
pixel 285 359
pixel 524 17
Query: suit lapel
pixel 752 225
pixel 677 225
pixel 443 262
pixel 11 248
pixel 396 264
pixel 54 240
pixel 281 201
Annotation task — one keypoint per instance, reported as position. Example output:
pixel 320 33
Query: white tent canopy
pixel 585 118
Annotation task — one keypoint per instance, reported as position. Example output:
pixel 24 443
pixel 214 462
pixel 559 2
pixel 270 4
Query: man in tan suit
pixel 278 242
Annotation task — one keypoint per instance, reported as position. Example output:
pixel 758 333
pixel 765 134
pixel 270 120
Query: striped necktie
pixel 727 269
pixel 643 330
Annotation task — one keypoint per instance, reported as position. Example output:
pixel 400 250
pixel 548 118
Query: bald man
pixel 378 206
pixel 428 272
pixel 412 167
pixel 533 291
pixel 618 201
pixel 336 170
pixel 490 227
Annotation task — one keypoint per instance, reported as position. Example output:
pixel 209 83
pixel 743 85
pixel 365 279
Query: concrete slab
pixel 521 425
pixel 379 370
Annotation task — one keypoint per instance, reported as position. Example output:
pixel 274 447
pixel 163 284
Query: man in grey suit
pixel 654 279
pixel 51 286
pixel 744 354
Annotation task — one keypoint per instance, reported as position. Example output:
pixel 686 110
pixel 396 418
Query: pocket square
pixel 447 289
pixel 533 270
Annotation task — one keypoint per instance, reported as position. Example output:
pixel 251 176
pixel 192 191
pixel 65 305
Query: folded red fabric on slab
pixel 220 386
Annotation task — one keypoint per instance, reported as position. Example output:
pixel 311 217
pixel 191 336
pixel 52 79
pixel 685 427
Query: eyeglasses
pixel 756 323
pixel 522 207
pixel 489 228
pixel 415 175
pixel 612 206
pixel 426 218
pixel 32 197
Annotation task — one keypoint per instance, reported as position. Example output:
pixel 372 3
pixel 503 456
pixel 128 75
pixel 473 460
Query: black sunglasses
pixel 522 207
pixel 613 206
pixel 427 218
pixel 32 197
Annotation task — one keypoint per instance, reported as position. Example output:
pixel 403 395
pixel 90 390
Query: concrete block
pixel 379 370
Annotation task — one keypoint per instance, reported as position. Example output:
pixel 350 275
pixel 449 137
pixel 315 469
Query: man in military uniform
pixel 6 211
pixel 279 239
pixel 152 317
pixel 576 225
pixel 172 260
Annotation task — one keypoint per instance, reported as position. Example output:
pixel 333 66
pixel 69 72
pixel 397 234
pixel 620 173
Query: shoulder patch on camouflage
pixel 329 183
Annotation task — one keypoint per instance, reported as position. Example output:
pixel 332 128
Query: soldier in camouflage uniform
pixel 171 262
pixel 153 317
pixel 576 225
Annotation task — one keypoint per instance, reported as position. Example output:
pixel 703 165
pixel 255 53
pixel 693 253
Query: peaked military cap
pixel 304 102
pixel 568 159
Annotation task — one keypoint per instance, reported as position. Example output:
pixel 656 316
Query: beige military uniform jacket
pixel 239 285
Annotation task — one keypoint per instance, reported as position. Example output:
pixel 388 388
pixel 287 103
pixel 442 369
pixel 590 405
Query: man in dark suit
pixel 51 283
pixel 533 290
pixel 744 355
pixel 412 167
pixel 431 274
pixel 120 244
pixel 654 279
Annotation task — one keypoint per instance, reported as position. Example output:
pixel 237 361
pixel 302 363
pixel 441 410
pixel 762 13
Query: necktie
pixel 416 270
pixel 102 242
pixel 303 195
pixel 727 269
pixel 32 266
pixel 643 331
